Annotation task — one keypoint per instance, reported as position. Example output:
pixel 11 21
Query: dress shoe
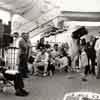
pixel 19 94
pixel 84 79
pixel 24 91
pixel 98 77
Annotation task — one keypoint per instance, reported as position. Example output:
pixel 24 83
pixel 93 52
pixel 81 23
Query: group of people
pixel 21 71
pixel 46 57
pixel 51 58
pixel 89 57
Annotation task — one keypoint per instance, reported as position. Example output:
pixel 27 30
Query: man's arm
pixel 30 49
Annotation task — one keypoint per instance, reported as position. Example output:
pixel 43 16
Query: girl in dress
pixel 83 63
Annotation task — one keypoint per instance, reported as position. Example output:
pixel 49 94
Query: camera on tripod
pixel 5 34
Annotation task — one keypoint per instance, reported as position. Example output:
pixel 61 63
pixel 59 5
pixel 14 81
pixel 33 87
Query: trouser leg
pixel 89 64
pixel 45 67
pixel 35 67
pixel 86 71
pixel 17 79
pixel 93 65
pixel 19 84
pixel 23 68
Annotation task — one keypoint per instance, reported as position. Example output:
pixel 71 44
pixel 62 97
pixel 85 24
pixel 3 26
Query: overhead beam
pixel 43 24
pixel 81 16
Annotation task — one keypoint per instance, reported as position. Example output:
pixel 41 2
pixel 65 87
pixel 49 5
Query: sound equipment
pixel 5 34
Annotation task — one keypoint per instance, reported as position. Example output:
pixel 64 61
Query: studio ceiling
pixel 30 9
pixel 40 11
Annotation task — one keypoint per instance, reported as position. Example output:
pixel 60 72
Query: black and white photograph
pixel 49 49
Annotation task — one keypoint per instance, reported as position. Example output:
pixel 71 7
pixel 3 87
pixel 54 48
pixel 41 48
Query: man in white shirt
pixel 41 60
pixel 97 48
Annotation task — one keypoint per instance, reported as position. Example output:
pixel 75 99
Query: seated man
pixel 63 62
pixel 55 54
pixel 41 60
pixel 55 51
pixel 15 77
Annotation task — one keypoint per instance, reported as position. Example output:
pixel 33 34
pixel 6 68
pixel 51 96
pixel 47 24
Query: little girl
pixel 84 63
